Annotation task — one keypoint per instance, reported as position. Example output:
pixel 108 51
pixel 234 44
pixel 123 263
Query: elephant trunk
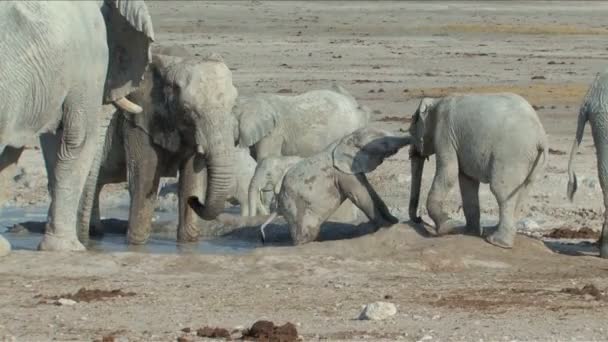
pixel 219 157
pixel 253 196
pixel 417 166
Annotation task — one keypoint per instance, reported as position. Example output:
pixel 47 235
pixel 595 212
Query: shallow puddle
pixel 161 241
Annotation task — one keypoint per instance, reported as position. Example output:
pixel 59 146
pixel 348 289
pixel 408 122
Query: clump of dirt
pixel 567 233
pixel 210 332
pixel 556 152
pixel 111 337
pixel 395 118
pixel 587 290
pixel 84 295
pixel 267 331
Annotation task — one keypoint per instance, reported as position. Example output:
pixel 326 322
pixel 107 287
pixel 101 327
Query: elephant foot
pixel 447 227
pixel 137 238
pixel 604 251
pixel 474 230
pixel 51 242
pixel 188 233
pixel 500 240
pixel 96 230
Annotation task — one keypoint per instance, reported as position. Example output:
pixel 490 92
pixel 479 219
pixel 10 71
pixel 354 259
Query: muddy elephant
pixel 185 129
pixel 595 110
pixel 60 61
pixel 267 178
pixel 477 138
pixel 316 186
pixel 274 125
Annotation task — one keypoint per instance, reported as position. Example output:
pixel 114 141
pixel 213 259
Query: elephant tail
pixel 541 151
pixel 580 129
pixel 270 219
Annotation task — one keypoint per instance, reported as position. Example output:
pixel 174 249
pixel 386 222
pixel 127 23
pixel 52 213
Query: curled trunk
pixel 417 166
pixel 219 181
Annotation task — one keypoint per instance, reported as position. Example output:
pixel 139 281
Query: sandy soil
pixel 388 54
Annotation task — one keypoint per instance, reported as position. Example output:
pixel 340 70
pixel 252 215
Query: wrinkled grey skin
pixel 59 62
pixel 595 110
pixel 489 138
pixel 300 125
pixel 268 178
pixel 183 128
pixel 316 186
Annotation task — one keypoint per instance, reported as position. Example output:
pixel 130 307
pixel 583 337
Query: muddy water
pixel 161 241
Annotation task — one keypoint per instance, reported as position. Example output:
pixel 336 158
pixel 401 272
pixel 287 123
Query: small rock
pixel 527 225
pixel 5 246
pixel 65 301
pixel 378 311
pixel 425 338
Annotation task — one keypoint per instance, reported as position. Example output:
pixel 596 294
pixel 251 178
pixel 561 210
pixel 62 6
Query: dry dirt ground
pixel 388 54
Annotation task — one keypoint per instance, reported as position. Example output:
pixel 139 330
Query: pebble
pixel 425 338
pixel 5 246
pixel 378 311
pixel 66 301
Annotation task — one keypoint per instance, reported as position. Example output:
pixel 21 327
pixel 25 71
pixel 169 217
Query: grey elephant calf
pixel 316 186
pixel 595 110
pixel 488 138
pixel 267 178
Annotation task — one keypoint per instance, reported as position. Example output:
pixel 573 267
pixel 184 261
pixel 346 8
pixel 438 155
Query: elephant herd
pixel 83 77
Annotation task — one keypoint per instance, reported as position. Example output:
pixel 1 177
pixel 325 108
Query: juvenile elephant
pixel 185 127
pixel 489 138
pixel 245 167
pixel 595 110
pixel 60 61
pixel 301 125
pixel 316 186
pixel 268 178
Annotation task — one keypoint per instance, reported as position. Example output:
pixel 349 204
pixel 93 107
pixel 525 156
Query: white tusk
pixel 128 106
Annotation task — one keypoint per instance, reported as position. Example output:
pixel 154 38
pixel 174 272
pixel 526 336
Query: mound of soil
pixel 84 295
pixel 267 331
pixel 213 332
pixel 589 290
pixel 567 233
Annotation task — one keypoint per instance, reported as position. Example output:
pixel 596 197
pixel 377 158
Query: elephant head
pixel 192 100
pixel 129 35
pixel 421 131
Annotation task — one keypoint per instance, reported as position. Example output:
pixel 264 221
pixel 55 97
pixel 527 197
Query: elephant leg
pixel 75 156
pixel 444 181
pixel 601 142
pixel 469 190
pixel 49 143
pixel 504 187
pixel 191 183
pixel 361 193
pixel 96 228
pixel 143 177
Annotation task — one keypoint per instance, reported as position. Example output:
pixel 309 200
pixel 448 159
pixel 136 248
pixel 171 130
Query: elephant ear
pixel 349 157
pixel 130 33
pixel 257 118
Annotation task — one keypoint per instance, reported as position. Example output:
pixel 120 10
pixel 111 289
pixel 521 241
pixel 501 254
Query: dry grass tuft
pixel 555 29
pixel 535 93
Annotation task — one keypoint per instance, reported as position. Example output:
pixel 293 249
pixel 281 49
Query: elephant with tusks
pixel 67 64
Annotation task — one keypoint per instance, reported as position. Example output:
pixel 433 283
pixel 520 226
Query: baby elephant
pixel 316 186
pixel 267 179
pixel 488 138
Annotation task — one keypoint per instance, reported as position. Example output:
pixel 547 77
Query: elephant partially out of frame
pixel 595 110
pixel 60 61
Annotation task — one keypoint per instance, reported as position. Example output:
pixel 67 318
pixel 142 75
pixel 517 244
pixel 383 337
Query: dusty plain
pixel 388 54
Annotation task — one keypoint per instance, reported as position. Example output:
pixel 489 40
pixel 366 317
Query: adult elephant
pixel 186 127
pixel 60 62
pixel 595 110
pixel 301 125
